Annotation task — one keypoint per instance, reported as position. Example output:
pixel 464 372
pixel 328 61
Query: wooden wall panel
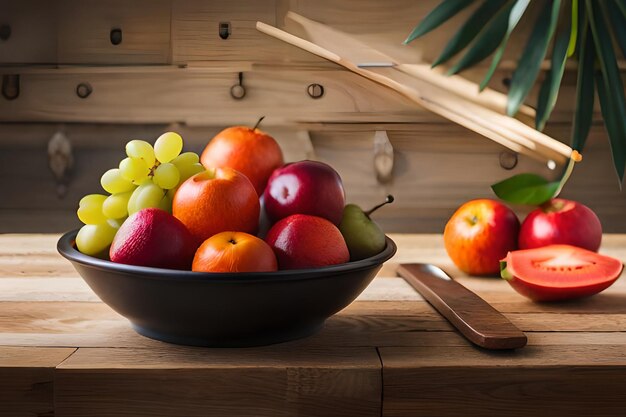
pixel 33 37
pixel 385 25
pixel 195 34
pixel 203 97
pixel 84 31
pixel 436 170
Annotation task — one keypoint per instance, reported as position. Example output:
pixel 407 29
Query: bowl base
pixel 267 338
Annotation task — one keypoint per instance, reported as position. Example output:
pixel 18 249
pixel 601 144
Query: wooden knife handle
pixel 478 321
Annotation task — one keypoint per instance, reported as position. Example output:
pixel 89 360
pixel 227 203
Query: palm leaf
pixel 583 114
pixel 444 11
pixel 613 104
pixel 574 28
pixel 550 87
pixel 487 41
pixel 618 23
pixel 514 17
pixel 613 126
pixel 470 29
pixel 621 4
pixel 530 63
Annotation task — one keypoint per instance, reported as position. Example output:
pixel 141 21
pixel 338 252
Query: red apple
pixel 217 200
pixel 302 241
pixel 561 222
pixel 305 187
pixel 479 234
pixel 153 237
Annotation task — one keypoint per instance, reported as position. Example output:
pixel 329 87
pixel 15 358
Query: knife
pixel 476 319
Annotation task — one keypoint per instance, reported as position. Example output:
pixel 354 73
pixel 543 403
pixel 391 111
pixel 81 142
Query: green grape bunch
pixel 148 177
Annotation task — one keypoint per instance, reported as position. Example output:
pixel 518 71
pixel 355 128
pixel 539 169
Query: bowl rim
pixel 65 247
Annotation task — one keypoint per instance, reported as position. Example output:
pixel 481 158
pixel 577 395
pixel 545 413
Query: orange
pixel 249 151
pixel 216 201
pixel 234 252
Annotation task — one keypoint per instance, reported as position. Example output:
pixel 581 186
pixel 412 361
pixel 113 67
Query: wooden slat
pixel 364 323
pixel 202 91
pixel 84 32
pixel 195 37
pixel 27 378
pixel 33 37
pixel 203 97
pixel 568 380
pixel 197 382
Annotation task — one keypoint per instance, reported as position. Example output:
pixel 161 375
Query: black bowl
pixel 224 309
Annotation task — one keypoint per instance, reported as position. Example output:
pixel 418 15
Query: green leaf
pixel 621 4
pixel 618 22
pixel 583 115
pixel 487 41
pixel 610 89
pixel 613 126
pixel 571 48
pixel 526 189
pixel 550 87
pixel 530 63
pixel 444 11
pixel 470 29
pixel 504 272
pixel 514 17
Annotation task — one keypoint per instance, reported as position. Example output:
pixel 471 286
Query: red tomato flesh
pixel 559 272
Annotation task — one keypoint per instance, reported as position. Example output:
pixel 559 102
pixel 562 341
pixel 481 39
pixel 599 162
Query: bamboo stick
pixel 483 121
pixel 348 46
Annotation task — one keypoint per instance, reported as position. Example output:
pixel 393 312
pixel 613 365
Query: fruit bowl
pixel 224 309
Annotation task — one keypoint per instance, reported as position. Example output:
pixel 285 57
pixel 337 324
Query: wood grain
pixel 84 32
pixel 33 32
pixel 575 357
pixel 197 382
pixel 27 380
pixel 540 381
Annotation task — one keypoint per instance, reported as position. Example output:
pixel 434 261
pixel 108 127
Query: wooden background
pixel 173 71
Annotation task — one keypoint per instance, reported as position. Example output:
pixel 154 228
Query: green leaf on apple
pixel 526 189
pixel 533 189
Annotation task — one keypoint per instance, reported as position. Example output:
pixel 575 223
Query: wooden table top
pixel 65 353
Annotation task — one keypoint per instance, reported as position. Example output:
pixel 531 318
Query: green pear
pixel 362 235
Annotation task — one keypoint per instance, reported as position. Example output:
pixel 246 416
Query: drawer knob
pixel 84 90
pixel 508 160
pixel 315 90
pixel 5 32
pixel 238 91
pixel 224 30
pixel 11 86
pixel 116 36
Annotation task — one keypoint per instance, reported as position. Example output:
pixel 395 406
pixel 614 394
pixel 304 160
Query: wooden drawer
pixel 84 30
pixel 32 37
pixel 195 32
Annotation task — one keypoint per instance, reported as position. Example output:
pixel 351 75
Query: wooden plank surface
pixel 274 381
pixel 572 380
pixel 27 380
pixel 46 312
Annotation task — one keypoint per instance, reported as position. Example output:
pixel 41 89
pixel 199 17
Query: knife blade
pixel 476 319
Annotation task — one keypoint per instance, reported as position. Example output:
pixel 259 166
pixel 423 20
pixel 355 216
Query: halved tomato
pixel 559 272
